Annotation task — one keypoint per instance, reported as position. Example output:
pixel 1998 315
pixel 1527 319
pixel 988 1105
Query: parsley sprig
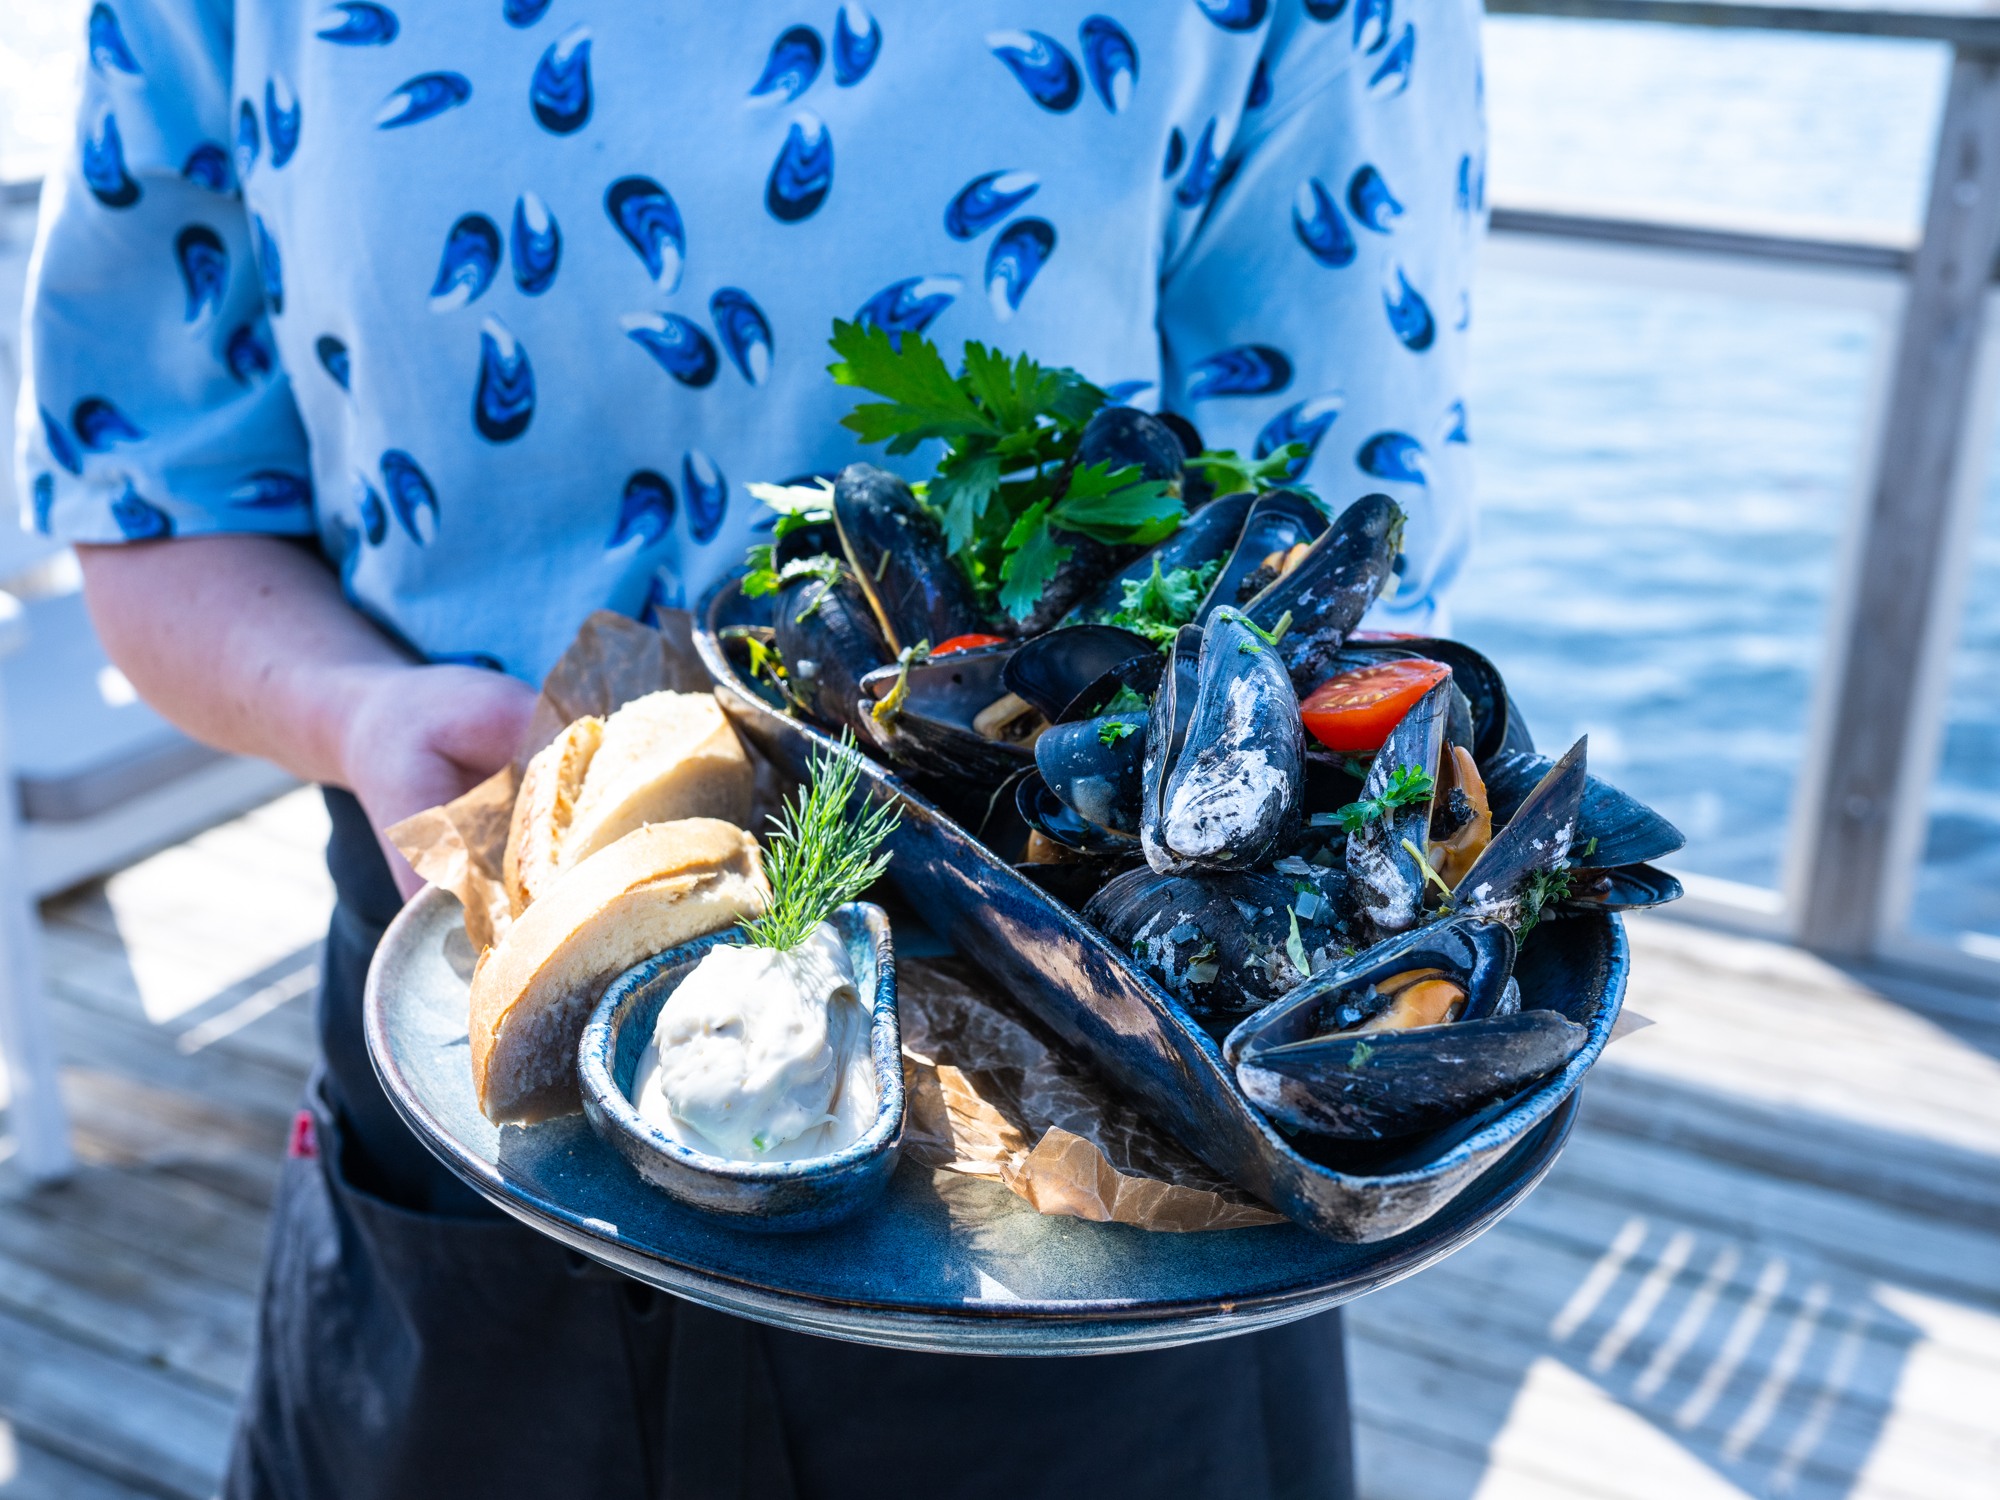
pixel 1407 785
pixel 1006 488
pixel 1232 474
pixel 798 506
pixel 818 854
pixel 1156 607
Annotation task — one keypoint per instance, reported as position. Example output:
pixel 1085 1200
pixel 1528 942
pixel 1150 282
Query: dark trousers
pixel 415 1344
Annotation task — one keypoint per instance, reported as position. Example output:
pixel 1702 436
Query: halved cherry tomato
pixel 1355 711
pixel 967 643
pixel 1384 635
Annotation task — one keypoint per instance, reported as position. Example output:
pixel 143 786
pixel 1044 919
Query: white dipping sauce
pixel 762 1056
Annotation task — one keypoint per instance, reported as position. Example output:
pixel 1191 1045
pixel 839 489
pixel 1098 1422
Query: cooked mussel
pixel 1408 1036
pixel 1096 767
pixel 1207 536
pixel 828 639
pixel 1385 855
pixel 1612 828
pixel 1331 587
pixel 1120 437
pixel 1622 888
pixel 1225 752
pixel 1057 668
pixel 1492 711
pixel 1054 819
pixel 1277 532
pixel 1525 868
pixel 951 715
pixel 1223 945
pixel 900 559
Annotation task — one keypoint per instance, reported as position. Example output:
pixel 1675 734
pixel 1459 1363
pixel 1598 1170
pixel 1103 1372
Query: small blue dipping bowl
pixel 753 1195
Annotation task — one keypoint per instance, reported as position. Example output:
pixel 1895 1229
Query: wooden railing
pixel 1860 815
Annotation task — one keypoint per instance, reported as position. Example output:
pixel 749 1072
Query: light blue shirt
pixel 506 301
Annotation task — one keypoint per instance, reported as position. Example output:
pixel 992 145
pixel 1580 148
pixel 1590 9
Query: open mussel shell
pixel 1210 533
pixel 1383 867
pixel 1538 838
pixel 829 640
pixel 1124 435
pixel 1224 772
pixel 1331 588
pixel 953 716
pixel 1096 767
pixel 1047 814
pixel 1624 888
pixel 1627 832
pixel 1276 522
pixel 1471 673
pixel 1303 1062
pixel 1054 669
pixel 900 559
pixel 1220 944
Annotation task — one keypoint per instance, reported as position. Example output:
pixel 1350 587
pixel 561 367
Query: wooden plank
pixel 184 1226
pixel 124 1302
pixel 1889 629
pixel 1968 25
pixel 140 1425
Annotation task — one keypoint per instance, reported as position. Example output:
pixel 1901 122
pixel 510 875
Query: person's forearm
pixel 243 641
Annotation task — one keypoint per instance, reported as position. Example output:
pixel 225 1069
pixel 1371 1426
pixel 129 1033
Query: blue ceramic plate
pixel 942 1262
pixel 1048 959
pixel 754 1195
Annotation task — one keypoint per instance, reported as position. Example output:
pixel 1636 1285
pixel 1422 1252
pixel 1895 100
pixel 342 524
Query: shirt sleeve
pixel 153 404
pixel 1317 290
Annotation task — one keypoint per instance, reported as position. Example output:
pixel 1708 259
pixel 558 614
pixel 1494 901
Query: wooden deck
pixel 1768 1265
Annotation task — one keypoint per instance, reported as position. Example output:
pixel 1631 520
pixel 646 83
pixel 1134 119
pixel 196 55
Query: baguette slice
pixel 659 886
pixel 542 811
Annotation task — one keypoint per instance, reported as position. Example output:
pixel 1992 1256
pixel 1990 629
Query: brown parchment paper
pixel 988 1096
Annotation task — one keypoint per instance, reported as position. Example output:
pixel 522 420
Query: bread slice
pixel 661 757
pixel 659 886
pixel 542 811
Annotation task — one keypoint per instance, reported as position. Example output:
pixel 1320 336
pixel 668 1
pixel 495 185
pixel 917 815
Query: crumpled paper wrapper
pixel 987 1096
pixel 990 1098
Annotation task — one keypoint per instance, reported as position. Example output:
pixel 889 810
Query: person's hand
pixel 416 737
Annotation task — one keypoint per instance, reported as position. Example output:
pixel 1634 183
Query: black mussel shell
pixel 1042 810
pixel 899 557
pixel 1276 522
pixel 951 719
pixel 1186 431
pixel 1141 674
pixel 829 640
pixel 1225 777
pixel 1076 578
pixel 1301 1063
pixel 1124 435
pixel 1221 944
pixel 1626 830
pixel 1539 837
pixel 1623 888
pixel 1097 767
pixel 1205 536
pixel 1387 879
pixel 818 539
pixel 1052 669
pixel 1330 590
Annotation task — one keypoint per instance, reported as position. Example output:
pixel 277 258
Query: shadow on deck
pixel 1768 1265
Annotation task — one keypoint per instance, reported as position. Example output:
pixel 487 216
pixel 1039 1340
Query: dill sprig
pixel 818 854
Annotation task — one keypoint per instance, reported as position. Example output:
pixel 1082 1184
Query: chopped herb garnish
pixel 892 701
pixel 1407 785
pixel 819 854
pixel 1358 1058
pixel 1544 889
pixel 1157 606
pixel 1295 948
pixel 1111 731
pixel 1431 877
pixel 1127 700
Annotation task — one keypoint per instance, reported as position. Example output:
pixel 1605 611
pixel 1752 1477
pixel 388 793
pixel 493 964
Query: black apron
pixel 416 1344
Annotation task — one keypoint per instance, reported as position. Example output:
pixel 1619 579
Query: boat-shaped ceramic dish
pixel 1138 1036
pixel 758 1195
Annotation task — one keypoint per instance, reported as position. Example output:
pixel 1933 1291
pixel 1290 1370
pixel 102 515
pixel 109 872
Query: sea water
pixel 1664 476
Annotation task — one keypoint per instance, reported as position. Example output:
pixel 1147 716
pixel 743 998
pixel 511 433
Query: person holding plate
pixel 373 346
